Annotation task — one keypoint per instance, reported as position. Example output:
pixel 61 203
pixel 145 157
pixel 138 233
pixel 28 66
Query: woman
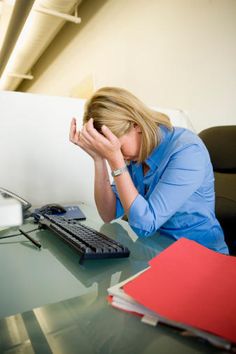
pixel 163 177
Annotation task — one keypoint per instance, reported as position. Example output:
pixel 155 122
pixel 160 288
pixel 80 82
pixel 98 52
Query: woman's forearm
pixel 124 184
pixel 126 190
pixel 103 194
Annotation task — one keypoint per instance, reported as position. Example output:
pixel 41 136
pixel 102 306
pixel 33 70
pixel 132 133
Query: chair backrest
pixel 221 144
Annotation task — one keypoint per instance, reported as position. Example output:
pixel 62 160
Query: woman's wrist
pixel 117 162
pixel 99 161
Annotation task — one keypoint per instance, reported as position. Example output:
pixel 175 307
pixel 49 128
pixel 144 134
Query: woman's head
pixel 120 110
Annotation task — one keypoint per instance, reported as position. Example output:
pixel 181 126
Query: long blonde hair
pixel 119 109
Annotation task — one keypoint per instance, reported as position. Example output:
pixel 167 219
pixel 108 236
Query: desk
pixel 51 304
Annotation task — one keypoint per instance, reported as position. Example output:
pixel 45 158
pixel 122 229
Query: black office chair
pixel 221 144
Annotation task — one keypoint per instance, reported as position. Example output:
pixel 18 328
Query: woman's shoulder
pixel 182 137
pixel 182 140
pixel 182 147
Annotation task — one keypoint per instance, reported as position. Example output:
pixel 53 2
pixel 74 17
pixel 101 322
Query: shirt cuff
pixel 139 217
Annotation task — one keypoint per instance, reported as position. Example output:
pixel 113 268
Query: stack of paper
pixel 188 286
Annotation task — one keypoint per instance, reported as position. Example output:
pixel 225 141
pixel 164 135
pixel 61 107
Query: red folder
pixel 190 284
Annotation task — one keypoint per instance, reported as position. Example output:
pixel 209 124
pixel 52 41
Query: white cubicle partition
pixel 37 161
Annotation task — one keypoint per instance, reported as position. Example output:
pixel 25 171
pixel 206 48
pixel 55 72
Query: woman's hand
pixel 106 145
pixel 77 139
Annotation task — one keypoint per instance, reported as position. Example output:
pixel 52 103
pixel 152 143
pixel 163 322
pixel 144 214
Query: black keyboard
pixel 89 243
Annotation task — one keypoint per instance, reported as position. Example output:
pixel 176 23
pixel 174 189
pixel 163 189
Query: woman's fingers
pixel 85 134
pixel 92 141
pixel 72 134
pixel 93 132
pixel 75 136
pixel 108 134
pixel 72 129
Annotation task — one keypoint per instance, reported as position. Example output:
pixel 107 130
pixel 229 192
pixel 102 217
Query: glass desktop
pixel 52 304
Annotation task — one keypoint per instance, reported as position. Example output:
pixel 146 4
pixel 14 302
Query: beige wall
pixel 170 53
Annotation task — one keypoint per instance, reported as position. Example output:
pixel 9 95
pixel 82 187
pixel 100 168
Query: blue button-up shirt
pixel 176 195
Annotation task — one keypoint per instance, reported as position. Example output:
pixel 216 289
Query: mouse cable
pixel 19 234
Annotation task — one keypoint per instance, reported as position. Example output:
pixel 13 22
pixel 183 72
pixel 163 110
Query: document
pixel 188 286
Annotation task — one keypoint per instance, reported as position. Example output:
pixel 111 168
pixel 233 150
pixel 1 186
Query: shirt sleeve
pixel 182 176
pixel 119 208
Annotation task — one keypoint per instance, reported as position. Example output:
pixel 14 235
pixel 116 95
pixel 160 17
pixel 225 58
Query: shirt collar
pixel 153 160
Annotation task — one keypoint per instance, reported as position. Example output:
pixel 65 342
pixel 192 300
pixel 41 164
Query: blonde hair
pixel 119 109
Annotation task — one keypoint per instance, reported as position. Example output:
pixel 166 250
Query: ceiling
pixel 27 27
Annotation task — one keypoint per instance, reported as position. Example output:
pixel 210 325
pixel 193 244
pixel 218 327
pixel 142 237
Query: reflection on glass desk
pixel 51 304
